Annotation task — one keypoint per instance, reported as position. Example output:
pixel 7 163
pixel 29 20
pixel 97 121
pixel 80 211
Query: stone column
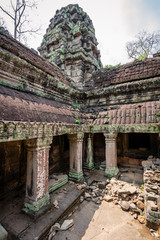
pixel 37 197
pixel 89 164
pixel 76 143
pixel 111 154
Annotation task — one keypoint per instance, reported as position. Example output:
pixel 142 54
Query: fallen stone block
pixel 141 219
pixel 67 224
pixel 56 181
pixel 107 198
pixel 124 205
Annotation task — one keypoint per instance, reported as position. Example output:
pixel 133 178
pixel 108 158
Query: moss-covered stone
pixel 70 43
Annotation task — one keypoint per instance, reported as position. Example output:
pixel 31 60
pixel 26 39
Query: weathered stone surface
pixel 151 192
pixel 70 43
pixel 107 198
pixel 102 185
pixel 55 203
pixel 124 205
pixel 140 204
pixel 141 219
pixel 133 208
pixel 67 224
pixel 81 199
pixel 87 196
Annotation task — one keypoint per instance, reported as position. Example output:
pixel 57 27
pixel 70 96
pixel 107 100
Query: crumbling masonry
pixel 63 112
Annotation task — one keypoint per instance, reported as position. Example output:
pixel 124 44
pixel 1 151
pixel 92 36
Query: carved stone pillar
pixel 37 197
pixel 111 154
pixel 76 143
pixel 89 164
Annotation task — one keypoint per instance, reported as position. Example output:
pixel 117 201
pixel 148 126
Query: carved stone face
pixel 70 43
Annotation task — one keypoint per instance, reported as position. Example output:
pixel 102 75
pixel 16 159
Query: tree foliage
pixel 112 66
pixel 144 46
pixel 18 13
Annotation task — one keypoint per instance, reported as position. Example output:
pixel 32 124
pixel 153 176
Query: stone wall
pixel 152 190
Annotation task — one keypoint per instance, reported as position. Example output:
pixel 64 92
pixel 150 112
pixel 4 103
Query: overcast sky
pixel 115 22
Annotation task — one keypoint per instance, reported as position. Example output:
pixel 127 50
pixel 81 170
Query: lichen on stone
pixel 70 43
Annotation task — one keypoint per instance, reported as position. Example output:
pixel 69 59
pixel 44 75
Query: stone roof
pixel 11 45
pixel 109 106
pixel 137 70
pixel 140 113
pixel 26 107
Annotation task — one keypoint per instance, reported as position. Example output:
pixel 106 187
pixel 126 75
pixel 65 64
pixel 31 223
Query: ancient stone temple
pixel 70 42
pixel 61 114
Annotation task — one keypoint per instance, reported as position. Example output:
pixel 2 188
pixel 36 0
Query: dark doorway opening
pixel 99 148
pixel 59 155
pixel 139 141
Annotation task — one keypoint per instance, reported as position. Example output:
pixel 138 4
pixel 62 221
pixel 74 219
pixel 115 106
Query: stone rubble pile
pixel 128 196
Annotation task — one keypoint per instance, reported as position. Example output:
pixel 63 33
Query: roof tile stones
pixel 26 107
pixel 133 71
pixel 140 113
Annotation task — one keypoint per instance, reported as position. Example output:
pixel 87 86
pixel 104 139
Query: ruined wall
pixel 70 43
pixel 12 166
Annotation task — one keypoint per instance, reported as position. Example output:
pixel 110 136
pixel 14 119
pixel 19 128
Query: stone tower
pixel 70 43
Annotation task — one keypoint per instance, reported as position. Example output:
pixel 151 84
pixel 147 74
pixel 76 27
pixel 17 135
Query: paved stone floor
pixel 26 228
pixel 104 222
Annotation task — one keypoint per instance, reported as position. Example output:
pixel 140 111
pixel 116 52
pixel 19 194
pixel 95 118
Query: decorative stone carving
pixel 70 42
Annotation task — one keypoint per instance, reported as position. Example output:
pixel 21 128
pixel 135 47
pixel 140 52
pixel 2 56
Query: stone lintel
pixel 38 143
